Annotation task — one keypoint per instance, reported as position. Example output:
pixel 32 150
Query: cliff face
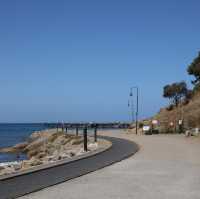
pixel 189 113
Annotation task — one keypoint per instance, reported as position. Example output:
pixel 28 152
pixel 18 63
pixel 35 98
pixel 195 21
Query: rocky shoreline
pixel 45 147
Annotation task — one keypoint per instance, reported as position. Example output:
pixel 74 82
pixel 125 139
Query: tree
pixel 194 69
pixel 175 92
pixel 188 96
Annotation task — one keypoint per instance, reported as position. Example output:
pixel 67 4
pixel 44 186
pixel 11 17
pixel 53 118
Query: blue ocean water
pixel 11 134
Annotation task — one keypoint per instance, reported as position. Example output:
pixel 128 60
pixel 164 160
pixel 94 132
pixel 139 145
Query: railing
pixel 89 125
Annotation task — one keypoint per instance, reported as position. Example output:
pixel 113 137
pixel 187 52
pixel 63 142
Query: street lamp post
pixel 137 102
pixel 131 105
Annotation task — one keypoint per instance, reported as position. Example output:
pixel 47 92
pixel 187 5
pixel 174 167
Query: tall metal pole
pixel 132 110
pixel 137 111
pixel 137 105
pixel 132 113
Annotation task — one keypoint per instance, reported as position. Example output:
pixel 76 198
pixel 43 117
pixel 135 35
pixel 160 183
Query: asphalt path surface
pixel 24 184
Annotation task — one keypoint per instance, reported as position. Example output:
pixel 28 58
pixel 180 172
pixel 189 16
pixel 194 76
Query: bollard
pixel 85 138
pixel 77 131
pixel 95 133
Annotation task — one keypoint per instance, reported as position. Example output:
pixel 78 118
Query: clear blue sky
pixel 75 60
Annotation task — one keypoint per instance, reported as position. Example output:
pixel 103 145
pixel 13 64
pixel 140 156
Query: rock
pixel 3 166
pixel 76 141
pixel 60 140
pixel 34 162
pixel 55 153
pixel 15 149
pixel 21 146
pixel 64 155
pixel 72 153
pixel 93 146
pixel 8 170
pixel 39 134
pixel 32 153
pixel 41 155
pixel 66 141
pixel 34 135
pixel 47 159
pixel 36 144
pixel 8 150
pixel 17 166
pixel 25 164
pixel 81 152
pixel 54 136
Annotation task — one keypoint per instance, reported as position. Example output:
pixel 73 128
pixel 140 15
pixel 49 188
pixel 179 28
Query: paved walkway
pixel 166 167
pixel 20 185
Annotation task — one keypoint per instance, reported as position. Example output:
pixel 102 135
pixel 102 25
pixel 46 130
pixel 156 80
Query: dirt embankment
pixel 189 113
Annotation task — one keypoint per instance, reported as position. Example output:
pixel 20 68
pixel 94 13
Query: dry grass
pixel 190 113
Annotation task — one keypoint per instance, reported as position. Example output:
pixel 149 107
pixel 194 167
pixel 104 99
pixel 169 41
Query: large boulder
pixel 21 146
pixel 15 149
pixel 35 162
pixel 39 134
pixel 36 144
pixel 8 150
pixel 55 136
pixel 76 141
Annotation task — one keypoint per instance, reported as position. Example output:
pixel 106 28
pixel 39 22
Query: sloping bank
pixel 35 179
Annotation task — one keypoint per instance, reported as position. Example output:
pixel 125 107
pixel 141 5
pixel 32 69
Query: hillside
pixel 189 113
